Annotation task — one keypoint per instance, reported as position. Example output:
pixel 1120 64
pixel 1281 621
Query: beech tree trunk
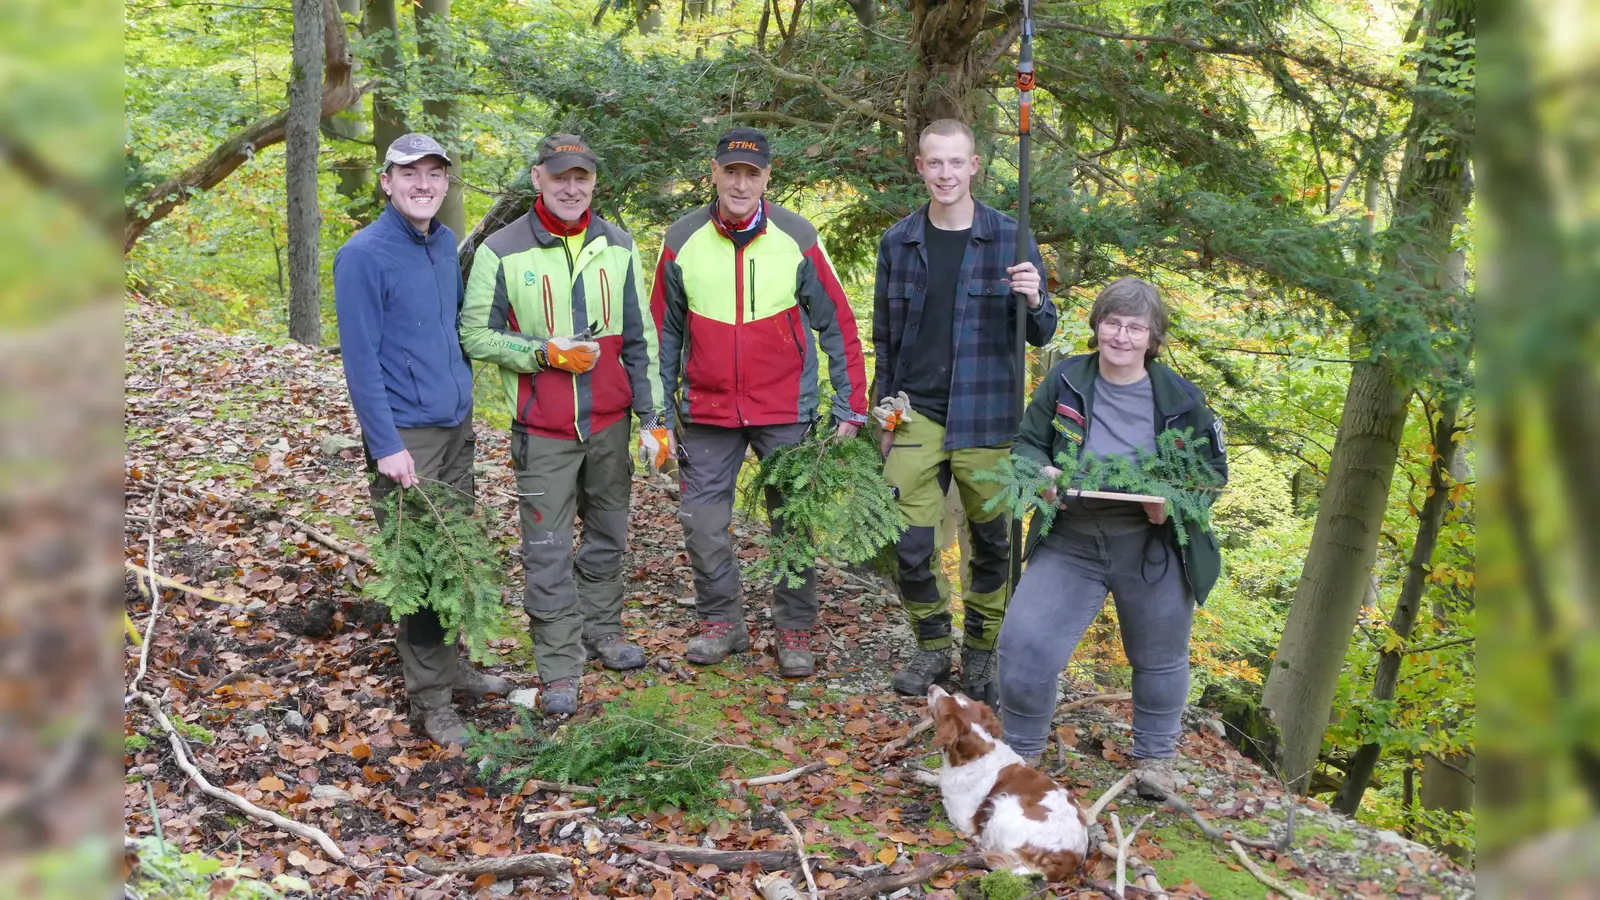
pixel 943 82
pixel 355 166
pixel 1431 192
pixel 388 116
pixel 1429 520
pixel 301 140
pixel 433 51
pixel 338 92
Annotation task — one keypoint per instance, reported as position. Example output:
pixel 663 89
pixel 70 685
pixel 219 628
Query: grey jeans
pixel 1061 593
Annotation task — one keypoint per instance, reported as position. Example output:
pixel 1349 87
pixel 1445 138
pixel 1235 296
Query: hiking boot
pixel 795 659
pixel 916 676
pixel 476 683
pixel 715 641
pixel 979 676
pixel 442 724
pixel 1154 779
pixel 614 652
pixel 559 697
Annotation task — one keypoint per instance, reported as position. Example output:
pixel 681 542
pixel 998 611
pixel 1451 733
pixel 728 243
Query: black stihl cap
pixel 744 145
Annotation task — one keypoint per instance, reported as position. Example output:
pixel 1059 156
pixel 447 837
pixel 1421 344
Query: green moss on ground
pixel 1208 865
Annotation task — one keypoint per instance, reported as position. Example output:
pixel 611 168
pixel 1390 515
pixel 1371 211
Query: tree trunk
pixel 647 15
pixel 943 83
pixel 1429 520
pixel 353 168
pixel 1431 192
pixel 388 116
pixel 338 92
pixel 433 51
pixel 1447 784
pixel 301 140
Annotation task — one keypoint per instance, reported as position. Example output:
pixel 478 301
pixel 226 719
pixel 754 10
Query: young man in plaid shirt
pixel 944 333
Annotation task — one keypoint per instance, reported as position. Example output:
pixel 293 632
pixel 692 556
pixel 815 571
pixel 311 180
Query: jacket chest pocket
pixel 986 299
pixel 1069 424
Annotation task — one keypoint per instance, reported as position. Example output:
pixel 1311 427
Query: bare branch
pixel 865 109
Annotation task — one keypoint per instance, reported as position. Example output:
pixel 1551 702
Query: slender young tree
pixel 433 52
pixel 388 115
pixel 301 141
pixel 1431 192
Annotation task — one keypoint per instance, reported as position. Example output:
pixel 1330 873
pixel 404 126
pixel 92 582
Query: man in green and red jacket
pixel 556 300
pixel 744 298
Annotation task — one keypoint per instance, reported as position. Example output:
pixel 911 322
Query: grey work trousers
pixel 1061 593
pixel 440 454
pixel 708 475
pixel 570 598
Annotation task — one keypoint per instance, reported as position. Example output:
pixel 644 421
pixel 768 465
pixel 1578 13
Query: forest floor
pixel 235 432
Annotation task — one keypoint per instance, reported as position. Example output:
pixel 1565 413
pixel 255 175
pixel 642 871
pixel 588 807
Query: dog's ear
pixel 988 720
pixel 946 727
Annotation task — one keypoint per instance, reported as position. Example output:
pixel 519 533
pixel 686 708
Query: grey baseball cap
pixel 408 148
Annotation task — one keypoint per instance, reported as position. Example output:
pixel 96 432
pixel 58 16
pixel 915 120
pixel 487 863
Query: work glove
pixel 892 411
pixel 576 354
pixel 656 444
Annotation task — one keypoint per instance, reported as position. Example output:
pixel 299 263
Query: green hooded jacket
pixel 1058 417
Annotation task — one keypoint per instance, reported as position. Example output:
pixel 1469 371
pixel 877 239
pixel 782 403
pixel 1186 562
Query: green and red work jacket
pixel 528 286
pixel 737 321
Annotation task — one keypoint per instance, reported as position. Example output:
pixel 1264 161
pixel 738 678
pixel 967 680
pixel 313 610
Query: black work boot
pixel 979 676
pixel 614 652
pixel 916 676
pixel 715 641
pixel 559 697
pixel 476 683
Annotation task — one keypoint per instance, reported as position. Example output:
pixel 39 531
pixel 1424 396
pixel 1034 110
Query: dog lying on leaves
pixel 1016 816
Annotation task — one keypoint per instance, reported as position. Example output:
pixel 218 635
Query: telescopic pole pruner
pixel 1024 245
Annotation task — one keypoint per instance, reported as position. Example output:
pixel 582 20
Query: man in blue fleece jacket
pixel 398 291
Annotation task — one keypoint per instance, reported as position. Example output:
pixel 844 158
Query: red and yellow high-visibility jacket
pixel 736 324
pixel 528 286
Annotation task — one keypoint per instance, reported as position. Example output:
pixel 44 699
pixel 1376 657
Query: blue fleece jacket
pixel 398 293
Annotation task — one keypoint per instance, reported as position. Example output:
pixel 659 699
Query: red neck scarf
pixel 554 225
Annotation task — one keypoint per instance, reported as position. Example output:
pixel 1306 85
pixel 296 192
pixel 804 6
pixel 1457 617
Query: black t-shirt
pixel 929 361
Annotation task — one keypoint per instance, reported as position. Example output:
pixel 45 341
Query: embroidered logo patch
pixel 1066 432
pixel 528 278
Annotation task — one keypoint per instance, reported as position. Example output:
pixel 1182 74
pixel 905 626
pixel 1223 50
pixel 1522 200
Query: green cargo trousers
pixel 440 454
pixel 920 470
pixel 569 599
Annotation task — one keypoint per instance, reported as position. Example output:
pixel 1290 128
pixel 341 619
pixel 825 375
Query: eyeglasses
pixel 1111 329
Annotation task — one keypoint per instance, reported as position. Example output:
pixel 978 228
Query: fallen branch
pixel 900 742
pixel 1264 878
pixel 776 887
pixel 1110 795
pixel 1146 880
pixel 726 860
pixel 534 784
pixel 552 815
pixel 304 832
pixel 1178 804
pixel 800 850
pixel 166 582
pixel 790 775
pixel 263 511
pixel 1122 849
pixel 1091 700
pixel 256 668
pixel 155 595
pixel 888 884
pixel 525 865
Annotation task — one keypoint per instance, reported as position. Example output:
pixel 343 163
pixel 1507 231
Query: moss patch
pixel 1207 865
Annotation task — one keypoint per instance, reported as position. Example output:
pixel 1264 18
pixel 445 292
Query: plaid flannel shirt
pixel 984 406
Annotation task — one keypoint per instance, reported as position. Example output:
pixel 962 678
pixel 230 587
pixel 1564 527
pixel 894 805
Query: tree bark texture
pixel 355 167
pixel 301 140
pixel 338 92
pixel 433 52
pixel 1448 784
pixel 1430 194
pixel 1429 521
pixel 388 114
pixel 943 83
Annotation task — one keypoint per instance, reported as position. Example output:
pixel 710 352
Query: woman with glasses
pixel 1113 401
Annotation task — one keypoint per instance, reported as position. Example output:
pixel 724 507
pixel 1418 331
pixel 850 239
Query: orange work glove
pixel 656 444
pixel 891 411
pixel 569 354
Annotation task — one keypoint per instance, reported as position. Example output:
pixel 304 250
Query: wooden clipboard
pixel 1114 495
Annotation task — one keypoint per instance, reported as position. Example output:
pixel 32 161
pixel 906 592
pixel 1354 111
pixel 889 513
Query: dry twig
pixel 1178 804
pixel 302 831
pixel 189 589
pixel 900 742
pixel 888 884
pixel 726 860
pixel 551 815
pixel 1091 700
pixel 800 849
pixel 502 867
pixel 153 591
pixel 1110 795
pixel 790 775
pixel 1264 878
pixel 534 784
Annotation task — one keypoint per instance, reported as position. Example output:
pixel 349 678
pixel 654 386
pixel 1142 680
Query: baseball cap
pixel 744 145
pixel 562 151
pixel 408 148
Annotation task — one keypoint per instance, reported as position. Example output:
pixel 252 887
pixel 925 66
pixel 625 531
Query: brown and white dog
pixel 1018 818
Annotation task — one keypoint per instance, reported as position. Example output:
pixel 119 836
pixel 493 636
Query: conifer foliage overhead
pixel 433 554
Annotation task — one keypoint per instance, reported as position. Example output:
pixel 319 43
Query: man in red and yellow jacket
pixel 744 298
pixel 556 300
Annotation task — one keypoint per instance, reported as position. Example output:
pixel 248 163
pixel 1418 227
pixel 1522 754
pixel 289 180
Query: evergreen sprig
pixel 835 504
pixel 433 554
pixel 1175 471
